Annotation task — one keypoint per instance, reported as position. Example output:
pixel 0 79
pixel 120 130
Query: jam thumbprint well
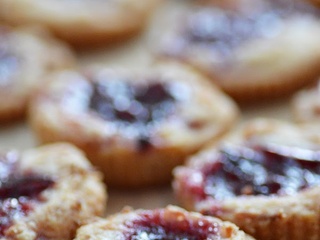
pixel 26 55
pixel 47 193
pixel 135 126
pixel 265 179
pixel 259 50
pixel 168 223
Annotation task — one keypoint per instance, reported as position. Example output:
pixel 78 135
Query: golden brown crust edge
pixel 87 24
pixel 280 222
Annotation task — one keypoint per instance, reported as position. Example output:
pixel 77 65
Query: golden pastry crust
pixel 227 4
pixel 118 225
pixel 26 55
pixel 315 2
pixel 126 155
pixel 81 22
pixel 245 57
pixel 290 216
pixel 305 105
pixel 77 194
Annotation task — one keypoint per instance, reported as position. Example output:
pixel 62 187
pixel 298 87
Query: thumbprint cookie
pixel 136 126
pixel 47 193
pixel 164 223
pixel 262 50
pixel 81 22
pixel 26 55
pixel 306 104
pixel 266 180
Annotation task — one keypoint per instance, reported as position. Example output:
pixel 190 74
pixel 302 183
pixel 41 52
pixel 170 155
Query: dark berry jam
pixel 23 186
pixel 126 103
pixel 18 192
pixel 220 31
pixel 151 225
pixel 137 107
pixel 261 170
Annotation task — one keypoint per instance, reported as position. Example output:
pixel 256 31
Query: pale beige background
pixel 135 54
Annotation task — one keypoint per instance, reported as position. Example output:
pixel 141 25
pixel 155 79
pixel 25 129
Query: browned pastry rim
pixel 305 105
pixel 83 22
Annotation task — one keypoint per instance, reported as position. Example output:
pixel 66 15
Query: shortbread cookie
pixel 267 181
pixel 47 193
pixel 257 51
pixel 26 55
pixel 306 104
pixel 135 126
pixel 81 22
pixel 164 223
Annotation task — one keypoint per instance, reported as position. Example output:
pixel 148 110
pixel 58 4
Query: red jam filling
pixel 151 225
pixel 260 170
pixel 137 107
pixel 18 193
pixel 220 31
pixel 125 103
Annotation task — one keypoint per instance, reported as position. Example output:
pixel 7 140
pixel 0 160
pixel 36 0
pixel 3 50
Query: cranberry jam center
pixel 125 103
pixel 151 225
pixel 260 170
pixel 18 193
pixel 221 31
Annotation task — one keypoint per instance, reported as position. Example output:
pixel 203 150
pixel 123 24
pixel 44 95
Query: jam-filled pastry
pixel 267 181
pixel 257 51
pixel 170 222
pixel 26 55
pixel 135 125
pixel 83 22
pixel 306 104
pixel 48 192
